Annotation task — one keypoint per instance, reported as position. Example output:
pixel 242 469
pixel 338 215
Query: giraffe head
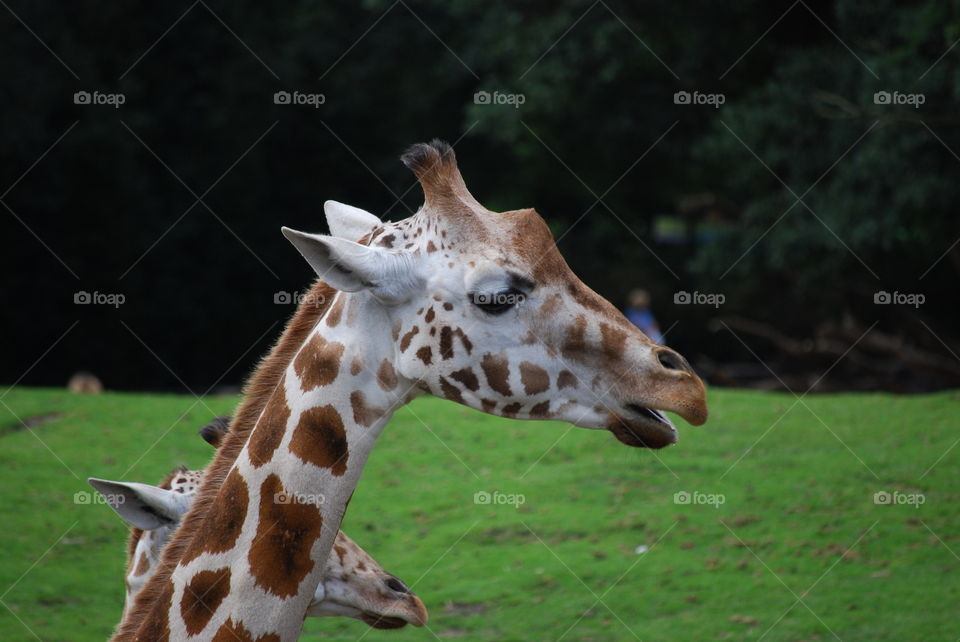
pixel 153 512
pixel 353 585
pixel 484 311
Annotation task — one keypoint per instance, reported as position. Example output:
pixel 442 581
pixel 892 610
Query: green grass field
pixel 798 549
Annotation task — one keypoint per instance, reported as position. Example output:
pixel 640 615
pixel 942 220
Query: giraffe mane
pixel 256 392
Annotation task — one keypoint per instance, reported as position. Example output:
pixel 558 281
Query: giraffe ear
pixel 348 222
pixel 352 267
pixel 141 505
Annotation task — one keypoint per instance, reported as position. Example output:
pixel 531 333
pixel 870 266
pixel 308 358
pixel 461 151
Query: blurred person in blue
pixel 638 311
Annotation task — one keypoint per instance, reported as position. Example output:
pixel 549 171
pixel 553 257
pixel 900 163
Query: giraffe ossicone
pixel 471 305
pixel 354 584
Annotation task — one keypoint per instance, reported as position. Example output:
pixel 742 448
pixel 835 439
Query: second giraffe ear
pixel 143 506
pixel 348 222
pixel 352 267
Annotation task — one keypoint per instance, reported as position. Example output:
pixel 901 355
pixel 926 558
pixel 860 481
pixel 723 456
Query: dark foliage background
pixel 175 199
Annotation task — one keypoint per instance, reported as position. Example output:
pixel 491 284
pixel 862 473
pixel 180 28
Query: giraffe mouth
pixel 382 621
pixel 645 428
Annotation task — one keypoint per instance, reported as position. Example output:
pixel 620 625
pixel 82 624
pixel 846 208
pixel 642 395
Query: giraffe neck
pixel 259 555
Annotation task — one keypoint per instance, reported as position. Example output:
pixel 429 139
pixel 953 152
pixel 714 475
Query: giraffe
pixel 353 585
pixel 470 305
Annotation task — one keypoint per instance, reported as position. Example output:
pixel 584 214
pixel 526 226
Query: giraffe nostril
pixel 671 360
pixel 396 585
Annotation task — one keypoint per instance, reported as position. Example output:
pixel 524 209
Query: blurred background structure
pixel 782 178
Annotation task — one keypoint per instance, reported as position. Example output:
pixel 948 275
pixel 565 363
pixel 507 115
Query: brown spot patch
pixel 497 371
pixel 535 379
pixel 541 409
pixel 269 430
pixel 488 405
pixel 362 413
pixel 446 342
pixel 387 241
pixel 430 315
pixel 319 439
pixel 386 376
pixel 575 343
pixel 408 337
pixel 612 340
pixel 202 597
pixel 396 331
pixel 356 366
pixel 280 554
pixel 318 363
pixel 425 354
pixel 231 631
pixel 431 248
pixel 566 379
pixel 550 306
pixel 511 409
pixel 336 311
pixel 223 523
pixel 466 377
pixel 465 340
pixel 143 565
pixel 450 391
pixel 448 306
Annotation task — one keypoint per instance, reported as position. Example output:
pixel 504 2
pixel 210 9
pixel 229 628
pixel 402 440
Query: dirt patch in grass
pixel 29 422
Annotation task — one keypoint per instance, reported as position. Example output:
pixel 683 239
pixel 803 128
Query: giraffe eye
pixel 497 302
